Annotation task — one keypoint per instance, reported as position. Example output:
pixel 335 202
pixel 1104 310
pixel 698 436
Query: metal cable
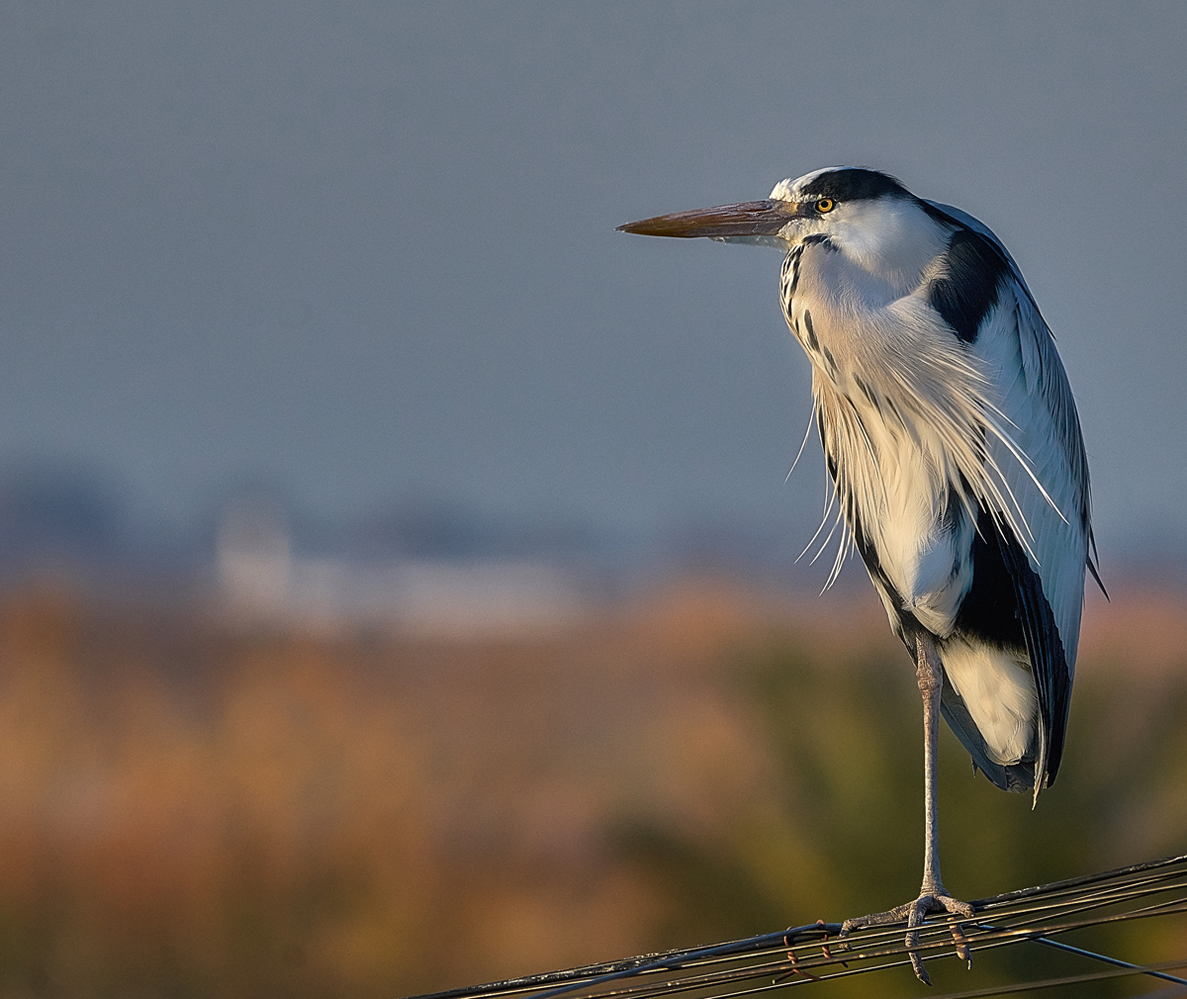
pixel 808 954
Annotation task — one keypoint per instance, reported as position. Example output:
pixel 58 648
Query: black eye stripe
pixel 853 184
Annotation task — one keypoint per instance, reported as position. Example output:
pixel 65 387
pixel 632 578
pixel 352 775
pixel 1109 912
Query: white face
pixel 888 235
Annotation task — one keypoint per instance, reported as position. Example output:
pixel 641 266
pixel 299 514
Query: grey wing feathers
pixel 1048 481
pixel 1041 365
pixel 1047 566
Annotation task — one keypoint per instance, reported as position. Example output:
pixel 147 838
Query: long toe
pixel 915 914
pixel 955 907
pixel 887 918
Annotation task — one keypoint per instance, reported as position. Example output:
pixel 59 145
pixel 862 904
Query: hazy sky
pixel 366 251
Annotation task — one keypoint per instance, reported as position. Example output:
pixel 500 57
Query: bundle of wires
pixel 805 955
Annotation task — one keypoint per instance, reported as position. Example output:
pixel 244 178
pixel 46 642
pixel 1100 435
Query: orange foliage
pixel 192 805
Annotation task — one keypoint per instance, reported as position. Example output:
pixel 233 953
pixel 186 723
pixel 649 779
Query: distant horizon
pixel 362 257
pixel 53 510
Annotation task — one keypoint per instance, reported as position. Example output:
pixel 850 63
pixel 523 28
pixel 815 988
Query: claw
pixel 914 921
pixel 916 913
pixel 963 951
pixel 917 963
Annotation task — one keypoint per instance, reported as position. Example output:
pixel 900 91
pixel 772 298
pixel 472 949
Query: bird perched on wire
pixel 953 444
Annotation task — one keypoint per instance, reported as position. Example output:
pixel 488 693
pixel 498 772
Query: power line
pixel 804 955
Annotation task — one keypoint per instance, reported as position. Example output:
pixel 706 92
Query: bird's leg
pixel 933 896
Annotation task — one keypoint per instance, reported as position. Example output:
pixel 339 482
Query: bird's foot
pixel 914 913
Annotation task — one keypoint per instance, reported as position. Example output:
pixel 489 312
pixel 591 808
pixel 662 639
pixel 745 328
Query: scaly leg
pixel 933 897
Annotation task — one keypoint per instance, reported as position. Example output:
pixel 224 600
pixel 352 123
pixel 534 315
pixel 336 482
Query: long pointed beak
pixel 750 218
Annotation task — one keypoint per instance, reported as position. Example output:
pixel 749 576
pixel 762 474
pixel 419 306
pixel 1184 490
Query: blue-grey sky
pixel 366 251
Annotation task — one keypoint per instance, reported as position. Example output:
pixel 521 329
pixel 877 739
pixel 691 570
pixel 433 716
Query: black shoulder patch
pixel 1006 607
pixel 969 289
pixel 854 184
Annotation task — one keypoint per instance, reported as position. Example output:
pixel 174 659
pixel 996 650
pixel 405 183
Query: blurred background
pixel 398 579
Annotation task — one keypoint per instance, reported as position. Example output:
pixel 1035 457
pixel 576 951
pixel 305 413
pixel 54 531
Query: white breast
pixel 900 405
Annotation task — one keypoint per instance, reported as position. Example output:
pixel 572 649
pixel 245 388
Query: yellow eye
pixel 825 205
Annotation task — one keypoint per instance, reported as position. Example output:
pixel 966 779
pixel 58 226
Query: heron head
pixel 865 213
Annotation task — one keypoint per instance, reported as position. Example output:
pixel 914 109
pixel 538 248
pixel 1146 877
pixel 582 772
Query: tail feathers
pixel 1017 777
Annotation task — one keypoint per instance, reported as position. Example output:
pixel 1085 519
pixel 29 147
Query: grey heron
pixel 955 452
